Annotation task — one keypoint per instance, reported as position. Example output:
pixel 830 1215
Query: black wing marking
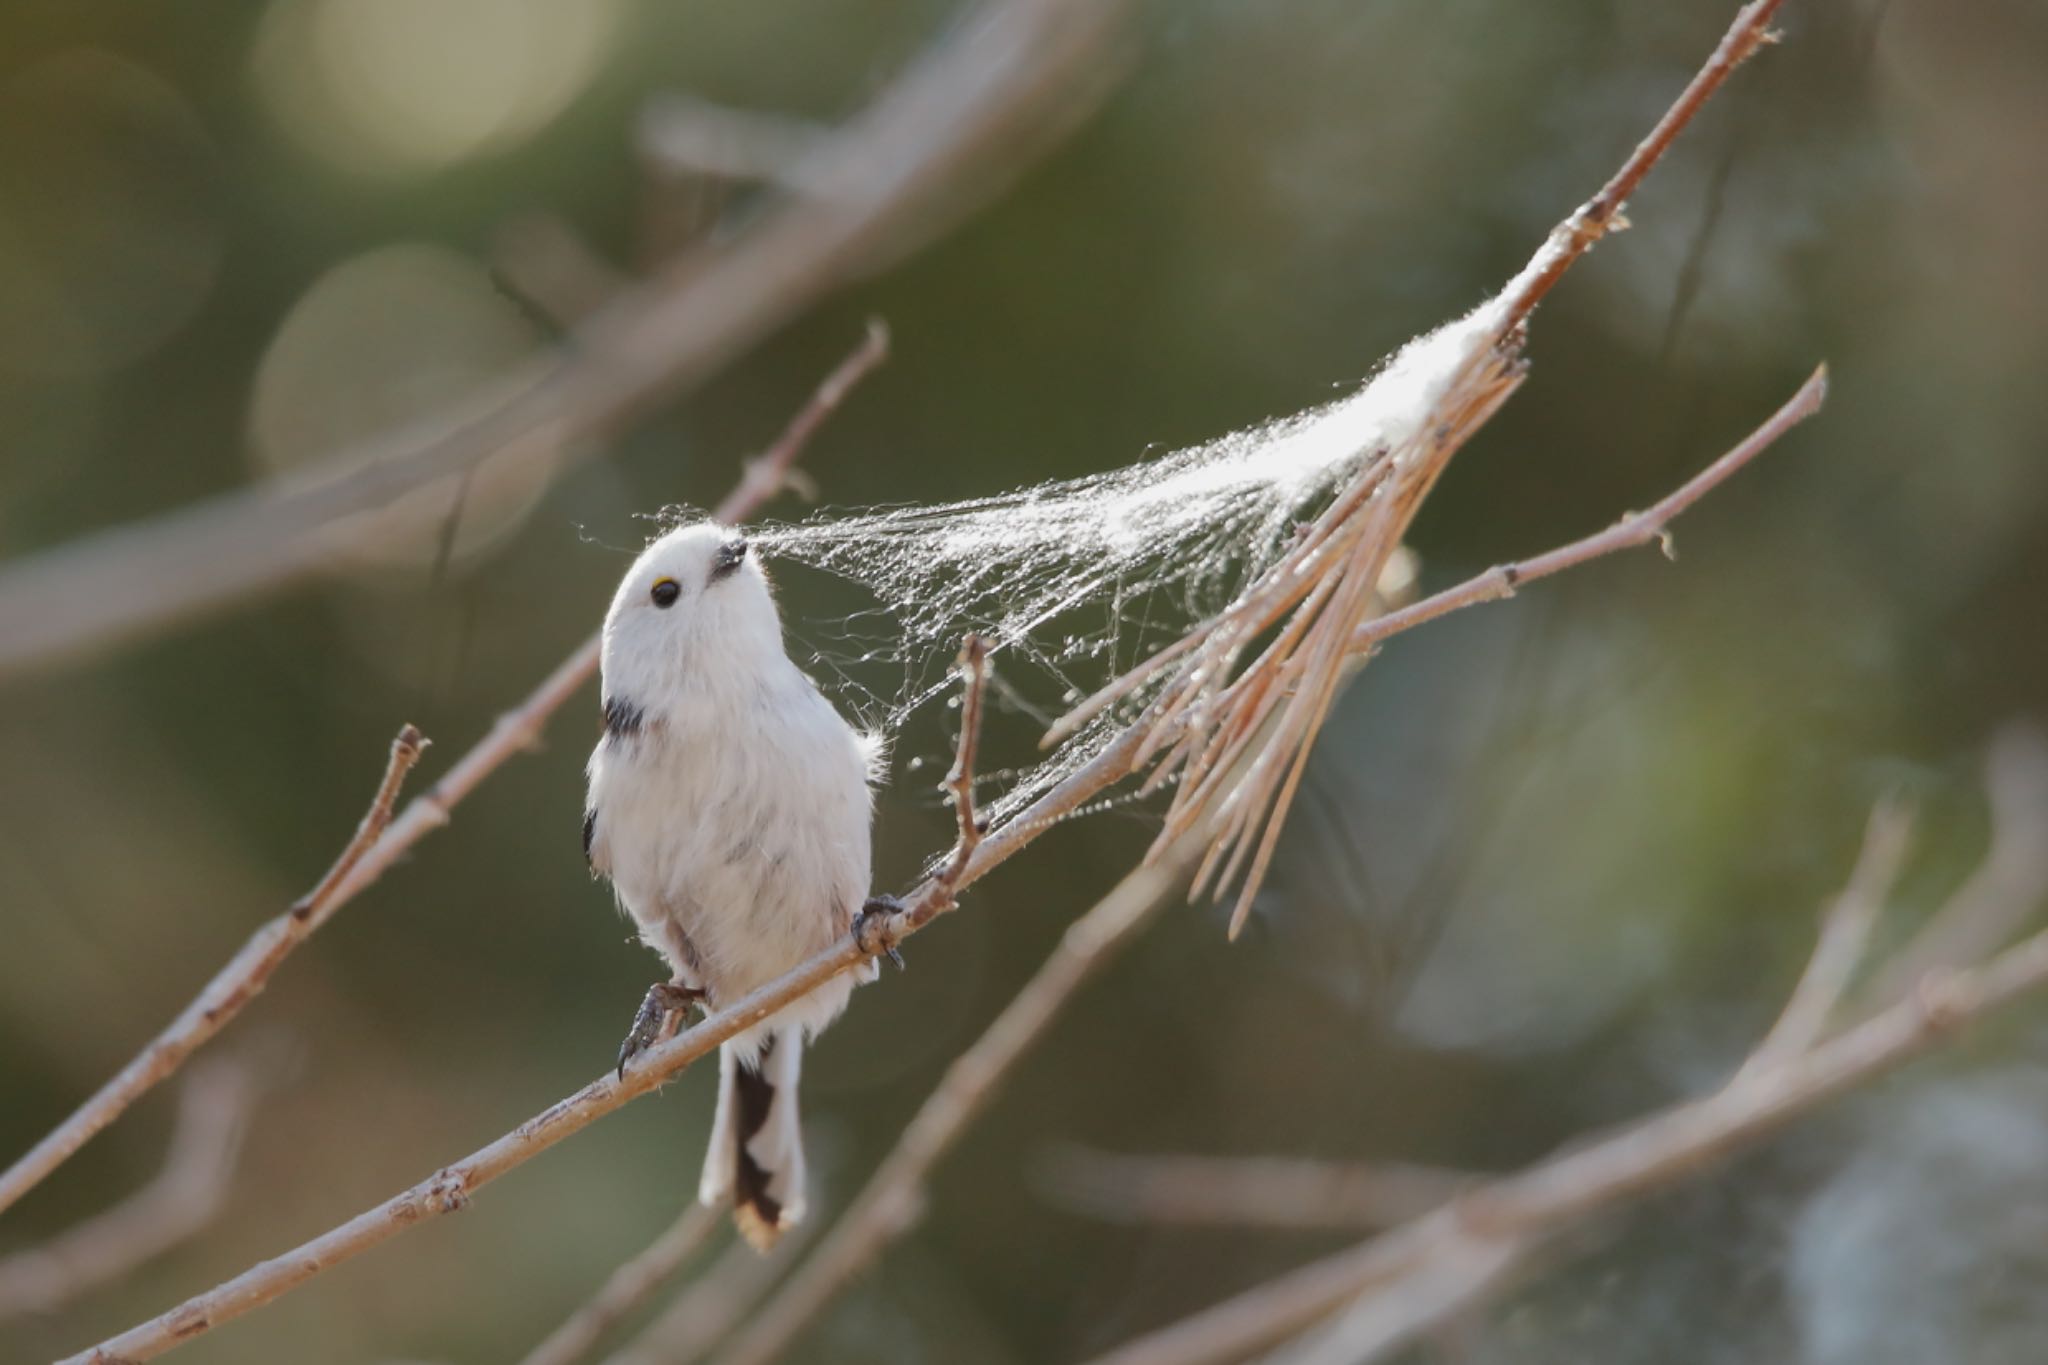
pixel 622 718
pixel 589 832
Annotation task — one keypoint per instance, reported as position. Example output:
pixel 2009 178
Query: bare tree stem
pixel 232 988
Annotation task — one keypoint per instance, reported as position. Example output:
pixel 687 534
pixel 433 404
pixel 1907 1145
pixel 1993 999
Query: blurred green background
pixel 1558 859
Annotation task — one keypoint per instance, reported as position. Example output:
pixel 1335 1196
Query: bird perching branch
pixel 973 857
pixel 381 841
pixel 224 997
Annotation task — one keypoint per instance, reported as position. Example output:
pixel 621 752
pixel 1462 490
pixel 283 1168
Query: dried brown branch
pixel 953 129
pixel 232 988
pixel 1270 1192
pixel 1383 1292
pixel 890 1203
pixel 631 1285
pixel 214 1105
pixel 367 858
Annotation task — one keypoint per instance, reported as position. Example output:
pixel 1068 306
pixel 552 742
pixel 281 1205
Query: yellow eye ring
pixel 665 592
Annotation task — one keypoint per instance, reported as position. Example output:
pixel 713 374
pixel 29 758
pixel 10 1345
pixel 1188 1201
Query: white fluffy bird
pixel 730 805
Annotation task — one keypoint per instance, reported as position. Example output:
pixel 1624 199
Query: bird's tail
pixel 756 1157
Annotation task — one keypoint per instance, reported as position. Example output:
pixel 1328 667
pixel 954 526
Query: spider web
pixel 1073 582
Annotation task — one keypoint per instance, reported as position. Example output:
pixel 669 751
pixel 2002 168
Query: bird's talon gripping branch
pixel 875 928
pixel 664 998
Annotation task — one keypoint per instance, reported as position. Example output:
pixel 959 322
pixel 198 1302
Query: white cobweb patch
pixel 1071 583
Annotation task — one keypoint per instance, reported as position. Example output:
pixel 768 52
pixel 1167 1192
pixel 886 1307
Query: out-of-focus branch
pixel 375 850
pixel 950 131
pixel 889 1206
pixel 214 1106
pixel 1382 1293
pixel 233 987
pixel 705 1312
pixel 683 135
pixel 1845 929
pixel 1992 905
pixel 627 1288
pixel 1269 1192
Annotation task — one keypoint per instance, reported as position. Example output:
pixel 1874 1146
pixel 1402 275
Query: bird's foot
pixel 664 1000
pixel 875 928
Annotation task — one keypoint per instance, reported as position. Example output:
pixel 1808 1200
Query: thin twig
pixel 890 1203
pixel 953 129
pixel 1602 213
pixel 214 1105
pixel 1397 1285
pixel 1259 1192
pixel 232 988
pixel 366 860
pixel 769 473
pixel 1631 532
pixel 960 777
pixel 627 1288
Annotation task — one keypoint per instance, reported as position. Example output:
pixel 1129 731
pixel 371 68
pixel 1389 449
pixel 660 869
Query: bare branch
pixel 628 1287
pixel 1395 1286
pixel 890 1203
pixel 372 852
pixel 949 132
pixel 684 135
pixel 1845 929
pixel 705 1312
pixel 232 988
pixel 1992 905
pixel 1602 213
pixel 214 1105
pixel 1631 532
pixel 1269 1192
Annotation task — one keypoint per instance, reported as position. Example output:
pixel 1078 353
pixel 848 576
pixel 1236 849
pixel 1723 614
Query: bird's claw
pixel 871 928
pixel 664 998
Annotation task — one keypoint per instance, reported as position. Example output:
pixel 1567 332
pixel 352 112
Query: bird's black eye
pixel 666 591
pixel 728 558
